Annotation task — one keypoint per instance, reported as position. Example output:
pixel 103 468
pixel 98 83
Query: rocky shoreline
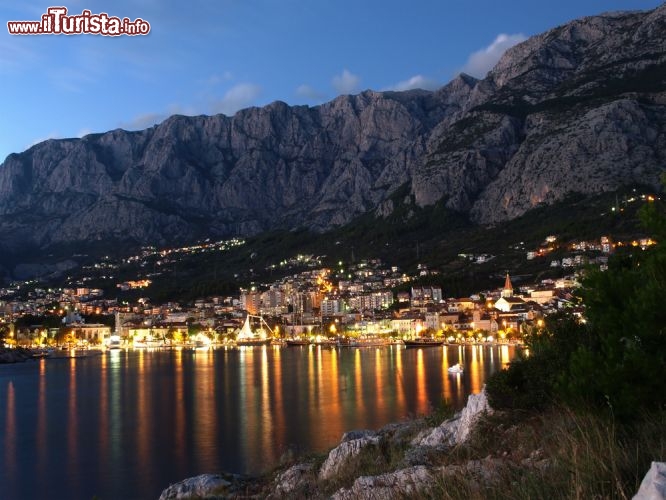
pixel 411 459
pixel 15 355
pixel 413 473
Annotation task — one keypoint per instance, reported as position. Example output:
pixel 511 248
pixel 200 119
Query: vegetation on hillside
pixel 598 381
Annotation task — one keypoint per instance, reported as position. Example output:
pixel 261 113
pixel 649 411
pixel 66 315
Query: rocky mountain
pixel 581 108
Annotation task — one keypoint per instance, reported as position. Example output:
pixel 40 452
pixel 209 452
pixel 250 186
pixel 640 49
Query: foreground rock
pixel 293 479
pixel 211 486
pixel 419 480
pixel 343 453
pixel 307 479
pixel 653 486
pixel 457 429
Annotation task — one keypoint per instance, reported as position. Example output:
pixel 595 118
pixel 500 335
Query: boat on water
pixel 455 368
pixel 42 353
pixel 325 342
pixel 78 352
pixel 297 342
pixel 423 342
pixel 248 337
pixel 364 341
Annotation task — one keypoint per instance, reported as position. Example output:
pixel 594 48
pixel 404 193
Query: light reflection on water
pixel 127 424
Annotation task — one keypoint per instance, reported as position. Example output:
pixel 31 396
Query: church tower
pixel 508 288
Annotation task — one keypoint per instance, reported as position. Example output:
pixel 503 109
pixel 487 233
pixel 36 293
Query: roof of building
pixel 507 283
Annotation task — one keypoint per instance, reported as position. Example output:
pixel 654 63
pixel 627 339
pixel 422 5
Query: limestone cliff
pixel 580 108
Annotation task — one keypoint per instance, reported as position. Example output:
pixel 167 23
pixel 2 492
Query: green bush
pixel 526 384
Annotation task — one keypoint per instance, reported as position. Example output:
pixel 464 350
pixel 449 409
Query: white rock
pixel 443 435
pixel 653 486
pixel 340 455
pixel 396 484
pixel 289 480
pixel 357 434
pixel 419 480
pixel 456 430
pixel 477 404
pixel 203 486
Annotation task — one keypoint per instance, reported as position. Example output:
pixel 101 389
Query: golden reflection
pixel 311 375
pixel 41 417
pixel 504 355
pixel 446 382
pixel 266 431
pixel 142 416
pixel 379 386
pixel 104 407
pixel 180 419
pixel 320 378
pixel 421 396
pixel 10 431
pixel 115 404
pixel 400 386
pixel 72 417
pixel 248 414
pixel 276 399
pixel 334 382
pixel 475 370
pixel 204 401
pixel 358 380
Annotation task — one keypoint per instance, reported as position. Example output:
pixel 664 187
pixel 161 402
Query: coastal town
pixel 368 300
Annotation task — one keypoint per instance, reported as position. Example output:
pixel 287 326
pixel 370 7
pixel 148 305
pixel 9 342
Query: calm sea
pixel 126 424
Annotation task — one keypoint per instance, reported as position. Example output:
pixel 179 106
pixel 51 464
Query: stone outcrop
pixel 653 486
pixel 580 108
pixel 398 484
pixel 203 486
pixel 417 481
pixel 293 478
pixel 456 430
pixel 214 486
pixel 403 480
pixel 339 457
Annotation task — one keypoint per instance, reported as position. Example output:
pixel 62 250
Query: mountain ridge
pixel 579 108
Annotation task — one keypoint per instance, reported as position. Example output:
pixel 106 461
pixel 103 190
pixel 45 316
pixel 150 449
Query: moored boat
pixel 297 342
pixel 423 342
pixel 363 341
pixel 455 368
pixel 247 337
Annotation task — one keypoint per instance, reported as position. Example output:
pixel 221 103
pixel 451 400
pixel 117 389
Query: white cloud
pixel 480 62
pixel 216 79
pixel 416 82
pixel 83 132
pixel 50 135
pixel 346 83
pixel 143 121
pixel 309 93
pixel 238 97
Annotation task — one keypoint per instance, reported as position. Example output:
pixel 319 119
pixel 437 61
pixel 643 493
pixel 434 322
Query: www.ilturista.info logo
pixel 57 22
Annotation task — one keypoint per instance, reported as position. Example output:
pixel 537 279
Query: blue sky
pixel 207 57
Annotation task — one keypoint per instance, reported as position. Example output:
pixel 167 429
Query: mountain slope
pixel 580 108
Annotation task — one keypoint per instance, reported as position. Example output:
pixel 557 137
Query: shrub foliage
pixel 615 358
